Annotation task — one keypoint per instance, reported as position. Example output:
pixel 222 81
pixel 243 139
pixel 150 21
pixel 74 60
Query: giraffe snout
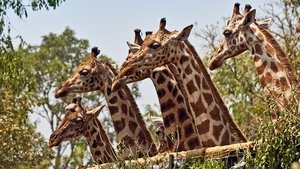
pixel 61 91
pixel 54 140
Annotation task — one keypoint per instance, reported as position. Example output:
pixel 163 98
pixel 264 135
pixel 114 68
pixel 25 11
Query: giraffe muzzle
pixel 61 92
pixel 214 64
pixel 54 140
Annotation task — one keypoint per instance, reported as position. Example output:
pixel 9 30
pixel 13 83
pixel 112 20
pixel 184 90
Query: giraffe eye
pixel 227 33
pixel 84 72
pixel 154 45
pixel 77 120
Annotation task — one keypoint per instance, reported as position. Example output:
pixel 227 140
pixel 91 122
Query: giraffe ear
pixel 183 34
pixel 133 47
pixel 265 23
pixel 249 18
pixel 95 111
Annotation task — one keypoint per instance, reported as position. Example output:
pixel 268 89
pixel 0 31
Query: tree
pixel 22 146
pixel 52 63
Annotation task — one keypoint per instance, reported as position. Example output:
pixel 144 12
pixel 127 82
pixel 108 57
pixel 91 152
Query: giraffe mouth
pixel 61 92
pixel 54 140
pixel 214 64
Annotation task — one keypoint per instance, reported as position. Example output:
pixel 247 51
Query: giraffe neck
pixel 212 118
pixel 100 146
pixel 178 120
pixel 127 120
pixel 272 65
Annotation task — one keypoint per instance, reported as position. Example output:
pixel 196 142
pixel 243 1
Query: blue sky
pixel 109 24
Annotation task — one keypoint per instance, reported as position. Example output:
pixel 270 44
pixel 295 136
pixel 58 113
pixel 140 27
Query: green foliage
pixel 278 146
pixel 20 144
pixel 52 63
pixel 200 162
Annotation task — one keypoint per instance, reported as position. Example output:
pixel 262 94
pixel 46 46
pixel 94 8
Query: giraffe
pixel 213 121
pixel 81 122
pixel 177 118
pixel 131 131
pixel 276 74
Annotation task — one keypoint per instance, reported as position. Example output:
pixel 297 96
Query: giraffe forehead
pixel 73 115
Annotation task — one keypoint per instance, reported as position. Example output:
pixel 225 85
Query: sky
pixel 109 24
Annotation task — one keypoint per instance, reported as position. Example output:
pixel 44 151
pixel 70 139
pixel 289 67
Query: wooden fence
pixel 229 152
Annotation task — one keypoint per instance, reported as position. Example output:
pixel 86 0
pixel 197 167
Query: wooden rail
pixel 210 152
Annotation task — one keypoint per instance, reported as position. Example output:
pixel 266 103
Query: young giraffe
pixel 212 118
pixel 272 65
pixel 79 121
pixel 177 118
pixel 130 128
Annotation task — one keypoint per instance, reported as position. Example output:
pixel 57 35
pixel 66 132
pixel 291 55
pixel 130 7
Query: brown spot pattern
pixel 113 100
pixel 260 69
pixel 182 115
pixel 188 130
pixel 161 79
pixel 193 143
pixel 225 138
pixel 166 106
pixel 113 110
pixel 161 93
pixel 128 141
pixel 217 131
pixel 208 98
pixel 258 49
pixel 215 114
pixel 256 58
pixel 198 107
pixel 188 70
pixel 183 59
pixel 274 67
pixel 191 87
pixel 119 125
pixel 124 108
pixel 132 126
pixel 204 127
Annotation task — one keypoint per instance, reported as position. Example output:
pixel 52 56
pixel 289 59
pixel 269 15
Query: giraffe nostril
pixel 53 136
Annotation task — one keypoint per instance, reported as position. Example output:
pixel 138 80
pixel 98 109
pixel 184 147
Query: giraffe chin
pixel 54 143
pixel 214 64
pixel 60 93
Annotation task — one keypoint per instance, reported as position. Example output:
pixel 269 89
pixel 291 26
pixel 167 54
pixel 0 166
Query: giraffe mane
pixel 280 54
pixel 104 135
pixel 132 101
pixel 213 88
pixel 177 77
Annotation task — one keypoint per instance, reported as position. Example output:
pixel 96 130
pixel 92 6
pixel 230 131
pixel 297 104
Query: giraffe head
pixel 74 123
pixel 236 39
pixel 158 49
pixel 138 75
pixel 87 77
